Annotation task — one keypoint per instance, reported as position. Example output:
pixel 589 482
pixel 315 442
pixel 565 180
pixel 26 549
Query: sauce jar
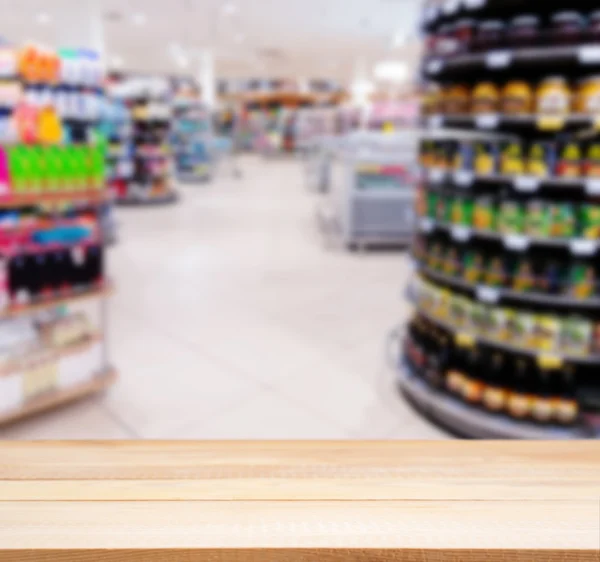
pixel 587 99
pixel 485 98
pixel 524 30
pixel 593 30
pixel 591 164
pixel 464 32
pixel 569 161
pixel 517 98
pixel 457 99
pixel 567 27
pixel 553 96
pixel 490 34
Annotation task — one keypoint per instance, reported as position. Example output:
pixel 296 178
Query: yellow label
pixel 464 339
pixel 551 122
pixel 548 361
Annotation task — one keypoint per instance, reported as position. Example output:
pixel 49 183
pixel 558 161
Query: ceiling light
pixel 139 18
pixel 43 18
pixel 229 8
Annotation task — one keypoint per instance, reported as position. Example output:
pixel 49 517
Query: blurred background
pixel 299 220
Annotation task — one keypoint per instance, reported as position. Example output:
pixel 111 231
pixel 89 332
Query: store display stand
pixel 504 342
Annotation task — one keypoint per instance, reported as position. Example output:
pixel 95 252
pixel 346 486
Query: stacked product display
pixel 52 183
pixel 506 338
pixel 148 158
pixel 191 139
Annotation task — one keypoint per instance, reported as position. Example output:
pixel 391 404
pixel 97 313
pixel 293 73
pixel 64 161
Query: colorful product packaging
pixel 484 214
pixel 569 162
pixel 485 158
pixel 452 264
pixel 496 272
pixel 538 219
pixel 512 158
pixel 548 332
pixel 564 220
pixel 511 218
pixel 462 211
pixel 541 159
pixel 473 268
pixel 523 277
pixel 582 280
pixel 590 221
pixel 576 336
pixel 591 165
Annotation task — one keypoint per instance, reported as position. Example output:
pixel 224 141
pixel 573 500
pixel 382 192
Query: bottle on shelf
pixel 565 405
pixel 520 398
pixel 495 395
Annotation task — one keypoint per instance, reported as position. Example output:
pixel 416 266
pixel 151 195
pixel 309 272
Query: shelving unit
pixel 52 237
pixel 505 339
pixel 192 132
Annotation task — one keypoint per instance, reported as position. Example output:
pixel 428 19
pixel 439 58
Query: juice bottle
pixel 565 404
pixel 495 395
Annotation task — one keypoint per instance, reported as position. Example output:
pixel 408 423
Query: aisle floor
pixel 232 320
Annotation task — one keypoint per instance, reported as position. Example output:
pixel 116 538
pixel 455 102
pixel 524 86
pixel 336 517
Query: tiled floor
pixel 232 320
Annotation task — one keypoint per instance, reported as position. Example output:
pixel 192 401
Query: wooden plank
pixel 299 501
pixel 483 525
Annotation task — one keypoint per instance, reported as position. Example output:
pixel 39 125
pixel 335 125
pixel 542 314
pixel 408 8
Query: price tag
pixel 589 54
pixel 451 6
pixel 551 122
pixel 474 4
pixel 460 233
pixel 436 175
pixel 434 66
pixel 498 59
pixel 549 361
pixel 464 340
pixel 582 247
pixel 426 224
pixel 489 295
pixel 464 178
pixel 516 242
pixel 592 186
pixel 487 121
pixel 527 184
pixel 435 122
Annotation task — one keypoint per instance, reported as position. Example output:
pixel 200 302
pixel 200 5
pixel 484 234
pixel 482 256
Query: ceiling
pixel 271 38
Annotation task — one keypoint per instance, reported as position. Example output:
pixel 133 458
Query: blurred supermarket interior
pixel 285 219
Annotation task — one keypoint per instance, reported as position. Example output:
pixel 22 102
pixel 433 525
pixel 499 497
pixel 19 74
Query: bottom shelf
pixel 170 197
pixel 60 397
pixel 471 422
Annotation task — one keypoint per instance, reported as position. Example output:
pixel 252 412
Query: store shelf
pixel 60 397
pixel 520 183
pixel 498 121
pixel 592 359
pixel 493 295
pixel 452 10
pixel 469 421
pixel 131 201
pixel 25 310
pixel 32 199
pixel 513 242
pixel 538 59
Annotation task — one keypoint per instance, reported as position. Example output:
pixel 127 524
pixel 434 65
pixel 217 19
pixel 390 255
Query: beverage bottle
pixel 519 398
pixel 542 400
pixel 473 387
pixel 495 395
pixel 566 407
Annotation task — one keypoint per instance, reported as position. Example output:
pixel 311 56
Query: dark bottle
pixel 495 394
pixel 436 358
pixel 542 409
pixel 473 385
pixel 565 405
pixel 456 374
pixel 520 398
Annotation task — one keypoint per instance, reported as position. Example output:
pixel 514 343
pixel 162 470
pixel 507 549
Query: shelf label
pixel 592 186
pixel 436 175
pixel 463 339
pixel 451 6
pixel 474 4
pixel 589 54
pixel 498 59
pixel 460 233
pixel 516 242
pixel 549 361
pixel 582 247
pixel 426 224
pixel 527 184
pixel 435 121
pixel 490 295
pixel 464 178
pixel 551 122
pixel 434 66
pixel 487 121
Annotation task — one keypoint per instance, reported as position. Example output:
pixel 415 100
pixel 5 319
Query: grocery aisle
pixel 231 320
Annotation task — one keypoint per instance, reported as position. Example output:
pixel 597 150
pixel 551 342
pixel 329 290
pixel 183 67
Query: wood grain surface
pixel 299 501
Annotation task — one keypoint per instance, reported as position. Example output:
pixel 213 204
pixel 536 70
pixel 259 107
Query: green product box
pixel 590 221
pixel 576 336
pixel 511 218
pixel 462 211
pixel 432 204
pixel 538 220
pixel 582 280
pixel 564 220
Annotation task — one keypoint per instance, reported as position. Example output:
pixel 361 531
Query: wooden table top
pixel 300 501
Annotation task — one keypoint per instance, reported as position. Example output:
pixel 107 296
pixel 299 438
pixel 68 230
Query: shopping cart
pixel 225 156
